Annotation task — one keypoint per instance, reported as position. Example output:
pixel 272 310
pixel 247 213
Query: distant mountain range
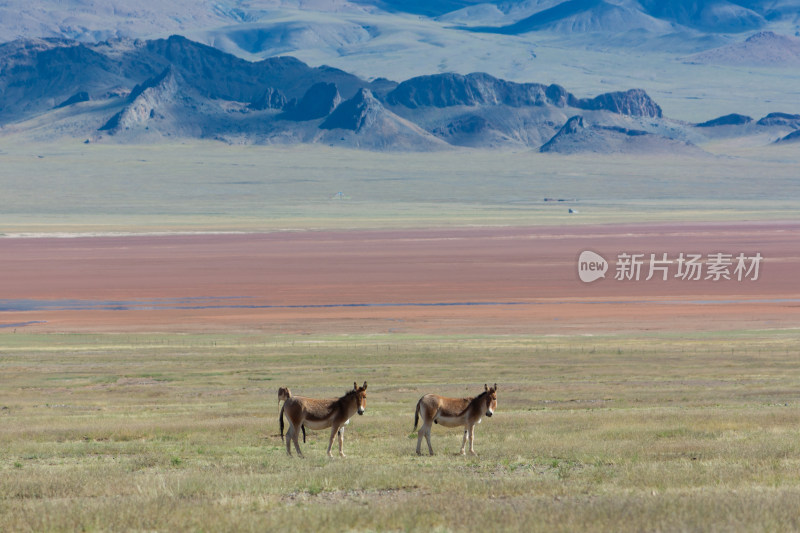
pixel 147 91
pixel 591 46
pixel 723 16
pixel 115 18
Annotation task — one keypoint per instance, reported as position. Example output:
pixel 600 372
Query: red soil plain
pixel 481 280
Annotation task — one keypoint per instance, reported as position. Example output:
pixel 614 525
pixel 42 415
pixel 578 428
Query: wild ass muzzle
pixel 320 414
pixel 454 412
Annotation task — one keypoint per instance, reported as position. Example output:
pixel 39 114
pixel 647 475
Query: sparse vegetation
pixel 206 186
pixel 180 432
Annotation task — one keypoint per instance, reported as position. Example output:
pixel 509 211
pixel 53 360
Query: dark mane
pixel 481 395
pixel 341 399
pixel 472 400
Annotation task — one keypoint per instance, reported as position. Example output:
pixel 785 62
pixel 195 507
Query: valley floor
pixel 153 301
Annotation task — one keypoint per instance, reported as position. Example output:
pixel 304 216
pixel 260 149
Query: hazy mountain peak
pixel 763 49
pixel 356 113
pixel 144 101
pixel 634 102
pixel 320 99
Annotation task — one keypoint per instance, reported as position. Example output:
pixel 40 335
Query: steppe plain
pixel 154 299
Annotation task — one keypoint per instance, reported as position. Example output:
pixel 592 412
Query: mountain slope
pixel 39 74
pixel 583 16
pixel 92 21
pixel 709 15
pixel 145 102
pixel 762 49
pixel 363 122
pixel 578 136
pixel 176 88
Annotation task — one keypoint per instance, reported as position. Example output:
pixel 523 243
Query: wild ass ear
pixel 355 386
pixel 495 387
pixel 365 386
pixel 485 387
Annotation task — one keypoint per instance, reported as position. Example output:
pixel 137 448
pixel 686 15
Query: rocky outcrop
pixel 793 137
pixel 634 102
pixel 780 119
pixel 80 96
pixel 318 102
pixel 574 131
pixel 271 99
pixel 577 136
pixel 468 125
pixel 573 125
pixel 151 83
pixel 363 122
pixel 361 111
pixel 734 119
pixel 144 102
pixel 446 90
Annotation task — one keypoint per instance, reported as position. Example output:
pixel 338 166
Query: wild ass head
pixel 491 399
pixel 361 397
pixel 284 394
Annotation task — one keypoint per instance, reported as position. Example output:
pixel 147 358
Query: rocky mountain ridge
pixel 141 91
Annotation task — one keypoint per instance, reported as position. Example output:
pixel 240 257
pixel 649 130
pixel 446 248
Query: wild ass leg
pixel 471 439
pixel 464 441
pixel 428 438
pixel 341 441
pixel 289 439
pixel 424 431
pixel 295 434
pixel 334 431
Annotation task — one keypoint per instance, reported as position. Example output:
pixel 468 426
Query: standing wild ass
pixel 284 394
pixel 321 414
pixel 454 412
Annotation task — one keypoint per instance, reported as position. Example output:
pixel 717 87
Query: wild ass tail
pixel 416 414
pixel 280 418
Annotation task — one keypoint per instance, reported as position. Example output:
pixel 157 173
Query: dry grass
pixel 210 186
pixel 173 432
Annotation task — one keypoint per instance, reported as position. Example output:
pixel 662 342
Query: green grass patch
pixel 612 433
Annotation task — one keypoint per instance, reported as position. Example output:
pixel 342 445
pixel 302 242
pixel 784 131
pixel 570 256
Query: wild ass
pixel 284 394
pixel 321 414
pixel 454 412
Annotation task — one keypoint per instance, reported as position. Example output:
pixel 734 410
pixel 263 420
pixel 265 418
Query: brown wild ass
pixel 454 412
pixel 284 394
pixel 321 414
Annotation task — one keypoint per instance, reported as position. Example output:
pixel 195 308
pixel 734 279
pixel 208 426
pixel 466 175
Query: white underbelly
pixel 450 421
pixel 317 424
pixel 321 424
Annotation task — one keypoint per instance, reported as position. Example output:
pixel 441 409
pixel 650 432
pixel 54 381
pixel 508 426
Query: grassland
pixel 179 432
pixel 69 187
pixel 172 432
